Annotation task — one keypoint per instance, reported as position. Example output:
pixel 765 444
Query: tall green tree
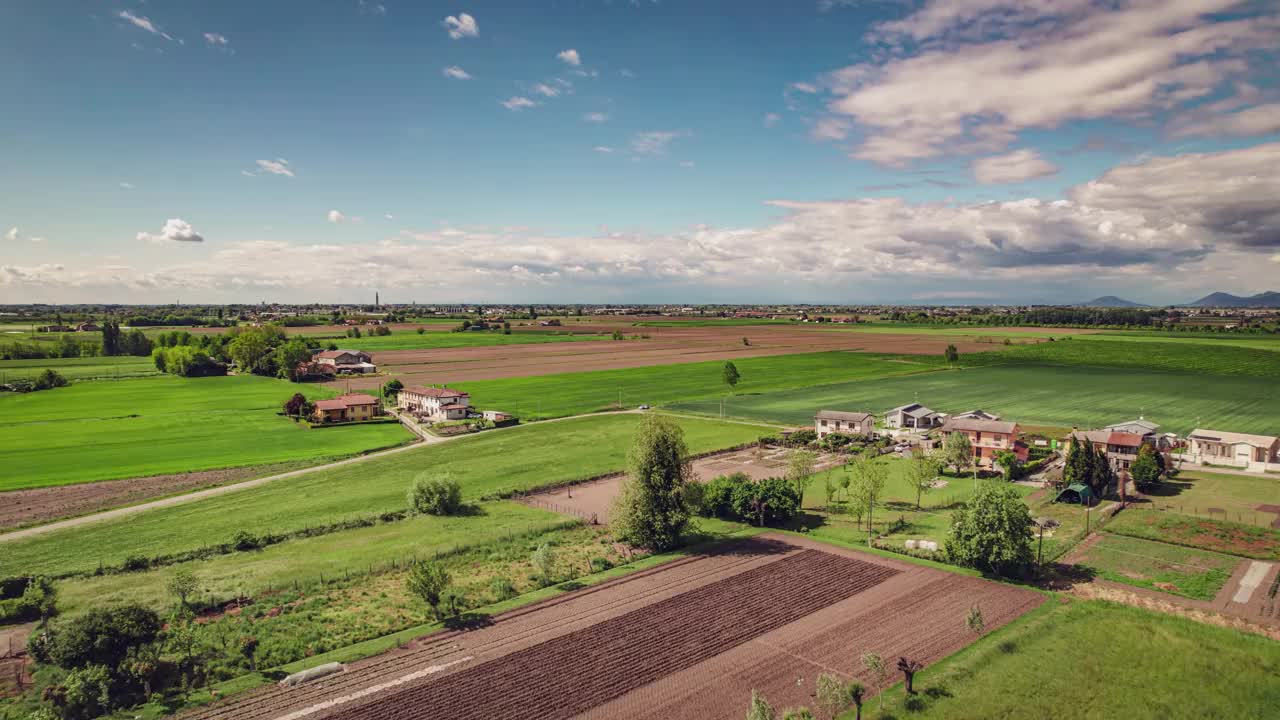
pixel 760 708
pixel 869 474
pixel 922 472
pixel 1146 469
pixel 951 354
pixel 428 580
pixel 800 465
pixel 1076 469
pixel 957 451
pixel 248 350
pixel 289 356
pixel 730 374
pixel 651 511
pixel 992 531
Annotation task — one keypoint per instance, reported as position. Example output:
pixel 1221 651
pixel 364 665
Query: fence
pixel 1256 518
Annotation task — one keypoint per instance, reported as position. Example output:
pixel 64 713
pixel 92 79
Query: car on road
pixel 643 407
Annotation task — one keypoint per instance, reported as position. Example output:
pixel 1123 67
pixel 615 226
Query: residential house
pixel 847 423
pixel 915 416
pixel 55 328
pixel 976 415
pixel 88 327
pixel 988 438
pixel 352 407
pixel 434 403
pixel 1120 447
pixel 1258 453
pixel 345 361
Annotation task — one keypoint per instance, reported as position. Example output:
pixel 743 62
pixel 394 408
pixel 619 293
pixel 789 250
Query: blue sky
pixel 975 150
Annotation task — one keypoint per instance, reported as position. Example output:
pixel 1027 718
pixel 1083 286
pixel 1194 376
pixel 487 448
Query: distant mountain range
pixel 1219 299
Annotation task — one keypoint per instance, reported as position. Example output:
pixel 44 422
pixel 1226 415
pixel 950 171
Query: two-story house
pixel 352 407
pixel 435 403
pixel 338 362
pixel 1120 447
pixel 846 423
pixel 988 438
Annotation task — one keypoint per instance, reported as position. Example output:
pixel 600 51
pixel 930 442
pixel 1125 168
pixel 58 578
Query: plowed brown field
pixel 689 639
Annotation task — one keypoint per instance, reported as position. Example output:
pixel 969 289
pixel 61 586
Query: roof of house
pixel 342 402
pixel 970 425
pixel 1230 438
pixel 841 415
pixel 1094 436
pixel 905 408
pixel 433 391
pixel 1143 423
pixel 335 354
pixel 1124 439
pixel 976 415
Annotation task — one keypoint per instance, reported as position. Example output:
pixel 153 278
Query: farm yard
pixel 94 431
pixel 835 608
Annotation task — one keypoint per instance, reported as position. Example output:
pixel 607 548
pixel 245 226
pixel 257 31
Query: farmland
pixel 1033 668
pixel 485 464
pixel 553 652
pixel 83 368
pixel 1203 493
pixel 150 426
pixel 1033 394
pixel 1214 535
pixel 1196 574
pixel 431 340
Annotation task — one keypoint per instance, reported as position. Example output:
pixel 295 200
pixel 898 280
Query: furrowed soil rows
pixel 688 639
pixel 575 672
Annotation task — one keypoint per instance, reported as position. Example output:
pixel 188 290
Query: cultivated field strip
pixel 268 702
pixel 575 672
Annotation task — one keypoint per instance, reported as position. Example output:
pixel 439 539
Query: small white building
pixel 1258 453
pixel 846 423
pixel 913 416
pixel 434 403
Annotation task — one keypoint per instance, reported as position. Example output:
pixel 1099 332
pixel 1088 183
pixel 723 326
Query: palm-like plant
pixel 909 669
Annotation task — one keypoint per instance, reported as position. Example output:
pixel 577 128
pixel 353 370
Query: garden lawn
pixel 1079 660
pixel 151 426
pixel 1216 535
pixel 1218 496
pixel 1196 574
pixel 1032 394
pixel 583 392
pixel 486 464
pixel 78 369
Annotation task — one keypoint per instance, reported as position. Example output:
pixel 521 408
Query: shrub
pixel 136 562
pixel 49 379
pixel 502 589
pixel 435 495
pixel 244 540
pixel 600 564
pixel 36 601
pixel 803 437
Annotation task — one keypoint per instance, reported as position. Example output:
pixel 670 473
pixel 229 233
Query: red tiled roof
pixel 1124 439
pixel 335 354
pixel 433 392
pixel 342 402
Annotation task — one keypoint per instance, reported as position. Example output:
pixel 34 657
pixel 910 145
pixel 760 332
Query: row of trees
pixel 834 696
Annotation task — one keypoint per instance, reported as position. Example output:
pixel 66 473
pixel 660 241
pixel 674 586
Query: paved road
pixel 427 439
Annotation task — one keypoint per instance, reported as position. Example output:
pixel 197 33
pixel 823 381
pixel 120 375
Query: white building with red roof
pixel 434 403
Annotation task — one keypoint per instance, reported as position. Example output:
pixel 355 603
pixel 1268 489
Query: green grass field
pixel 583 392
pixel 1080 660
pixel 1214 535
pixel 165 424
pixel 1033 394
pixel 1224 497
pixel 1196 574
pixel 520 458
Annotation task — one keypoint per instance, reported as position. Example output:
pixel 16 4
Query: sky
pixel 683 151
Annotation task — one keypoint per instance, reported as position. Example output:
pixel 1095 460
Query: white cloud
pixel 602 149
pixel 517 103
pixel 1014 167
pixel 986 70
pixel 771 119
pixel 457 73
pixel 144 23
pixel 389 216
pixel 462 26
pixel 1258 120
pixel 655 142
pixel 127 185
pixel 174 230
pixel 570 57
pixel 372 8
pixel 215 39
pixel 279 166
pixel 336 217
pixel 686 163
pixel 596 117
pixel 626 73
pixel 546 90
pixel 804 87
pixel 12 234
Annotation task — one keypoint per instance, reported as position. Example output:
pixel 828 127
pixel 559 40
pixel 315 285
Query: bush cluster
pixel 772 501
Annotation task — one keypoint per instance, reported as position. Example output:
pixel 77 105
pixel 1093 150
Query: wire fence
pixel 1256 518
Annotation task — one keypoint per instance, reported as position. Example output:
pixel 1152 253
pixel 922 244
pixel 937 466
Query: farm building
pixel 88 327
pixel 499 418
pixel 353 407
pixel 988 438
pixel 434 403
pixel 1079 494
pixel 913 415
pixel 848 423
pixel 1258 453
pixel 976 415
pixel 345 361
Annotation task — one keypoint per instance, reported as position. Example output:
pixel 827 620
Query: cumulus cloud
pixel 1014 167
pixel 655 142
pixel 596 117
pixel 570 57
pixel 457 73
pixel 462 26
pixel 279 166
pixel 336 217
pixel 517 103
pixel 984 70
pixel 144 23
pixel 174 230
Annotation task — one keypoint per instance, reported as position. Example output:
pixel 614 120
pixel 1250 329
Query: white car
pixel 643 407
pixel 901 447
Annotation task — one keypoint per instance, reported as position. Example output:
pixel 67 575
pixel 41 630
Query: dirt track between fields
pixel 689 639
pixel 664 346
